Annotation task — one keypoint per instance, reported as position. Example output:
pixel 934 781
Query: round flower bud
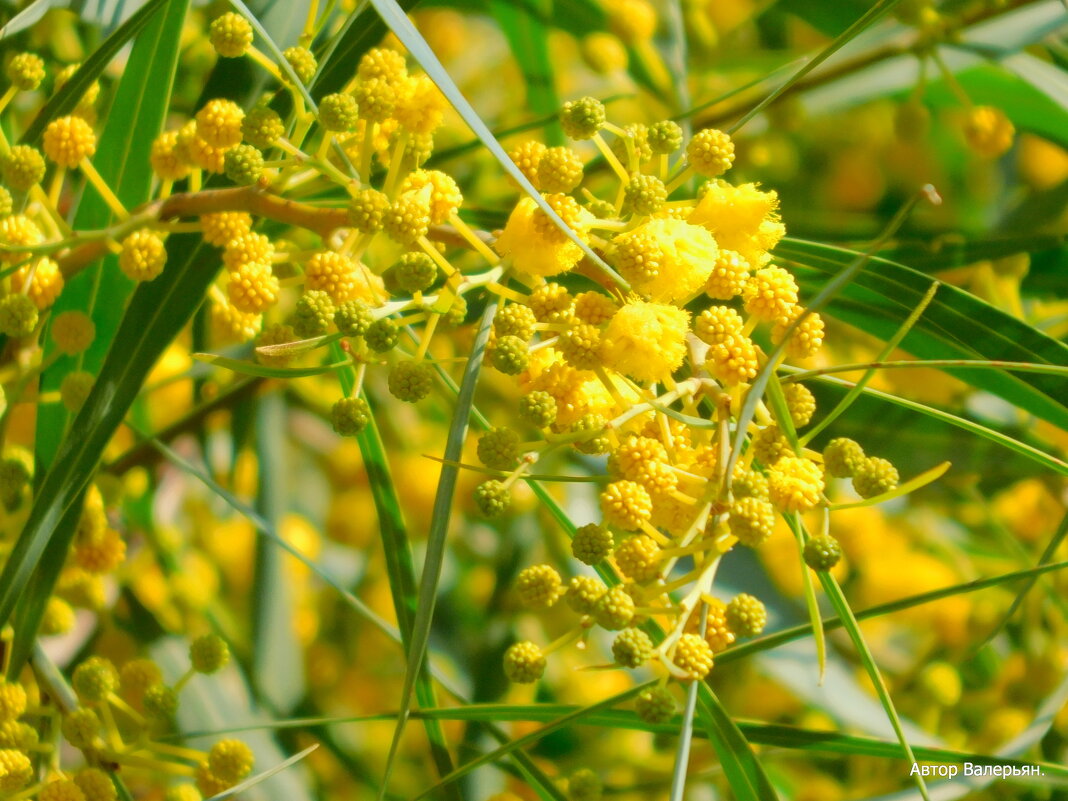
pixel 183 792
pixel 18 316
pixel 538 408
pixel 655 705
pixel 632 648
pixel 626 504
pixel 338 112
pixel 74 389
pixel 410 381
pixel 524 663
pixel 16 770
pixel 219 123
pixel 262 127
pixel 842 456
pixel 14 734
pixel 25 71
pixel 95 679
pixel 559 170
pixel 582 118
pixel 61 790
pixel 515 319
pixel 874 476
pixel 223 227
pixel 584 785
pixel 143 255
pixel 644 194
pixel 382 335
pixel 801 404
pixel 80 727
pixel 592 543
pixel 23 167
pixel 68 140
pixel 230 35
pixel 603 53
pixel 498 448
pixel 160 702
pixel 383 63
pixel 710 152
pixel 415 272
pixel 510 355
pixel 769 445
pixel 367 210
pixel 350 416
pixel 353 318
pixel 313 314
pixel 12 700
pixel 253 287
pixel 209 653
pixel 95 785
pixel 302 61
pixel 375 99
pixel 166 157
pixel 822 552
pixel 243 164
pixel 988 131
pixel 539 586
pixel 492 498
pixel 746 615
pixel 138 675
pixel 58 618
pixel 614 610
pixel 665 137
pixel 583 593
pixel 408 218
pixel 693 656
pixel 6 202
pixel 72 331
pixel 751 520
pixel 638 558
pixel 230 760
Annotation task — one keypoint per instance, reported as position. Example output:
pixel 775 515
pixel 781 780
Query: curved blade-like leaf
pixel 956 325
pixel 157 312
pixel 135 119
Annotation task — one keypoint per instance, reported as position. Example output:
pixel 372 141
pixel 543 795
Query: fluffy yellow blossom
pixel 531 250
pixel 742 218
pixel 686 256
pixel 646 341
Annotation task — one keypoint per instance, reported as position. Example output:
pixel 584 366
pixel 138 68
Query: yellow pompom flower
pixel 795 484
pixel 253 287
pixel 686 256
pixel 12 700
pixel 68 140
pixel 16 770
pixel 204 155
pixel 219 123
pixel 221 227
pixel 45 282
pixel 166 157
pixel 18 230
pixel 718 323
pixel 988 131
pixel 770 294
pixel 633 20
pixel 742 218
pixel 527 155
pixel 537 251
pixel 72 331
pixel 710 152
pixel 445 195
pixel 342 278
pixel 230 760
pixel 733 359
pixel 143 255
pixel 626 505
pixel 807 338
pixel 420 106
pixel 246 249
pixel 99 552
pixel 728 276
pixel 693 656
pixel 646 341
pixel 382 63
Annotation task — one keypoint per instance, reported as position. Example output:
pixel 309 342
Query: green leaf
pixel 830 17
pixel 135 119
pixel 264 371
pixel 157 312
pixel 956 325
pixel 524 26
pixel 439 524
pixel 932 255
